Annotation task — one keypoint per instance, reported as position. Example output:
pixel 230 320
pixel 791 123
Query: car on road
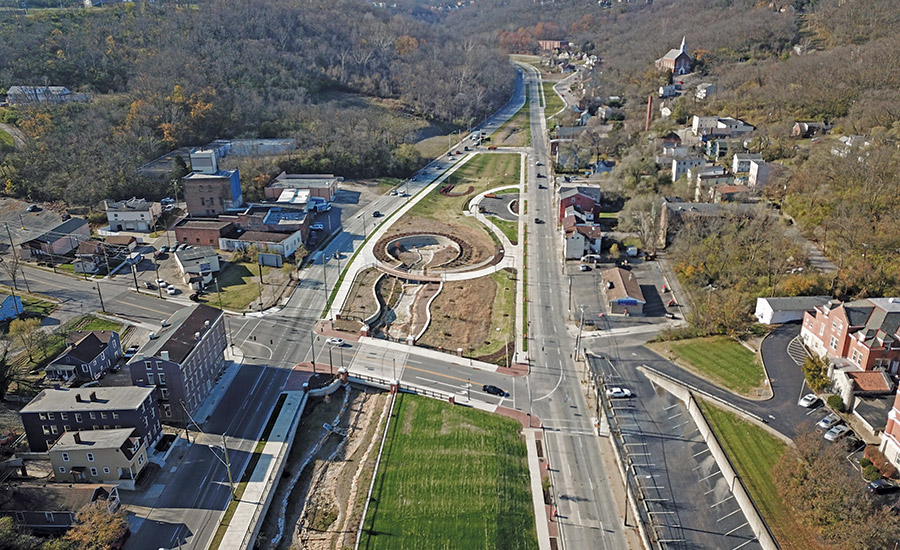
pixel 539 164
pixel 164 248
pixel 837 432
pixel 808 400
pixel 541 176
pixel 538 220
pixel 541 186
pixel 317 227
pixel 670 315
pixel 494 390
pixel 882 486
pixel 457 152
pixel 466 148
pixel 616 392
pixel 450 153
pixel 339 342
pixel 393 193
pixel 129 353
pixel 828 422
pixel 584 267
pixel 376 214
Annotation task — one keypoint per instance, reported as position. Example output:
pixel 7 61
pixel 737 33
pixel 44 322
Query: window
pixel 51 416
pixel 162 379
pixel 48 516
pixel 90 457
pixel 164 394
pixel 54 429
pixel 94 472
pixel 65 457
pixel 148 365
pixel 46 429
pixel 67 428
pixel 140 459
pixel 106 469
pixel 78 417
pixel 145 418
pixel 115 415
pixel 821 329
pixel 62 469
pixel 96 427
pixel 167 410
pixel 103 415
pixel 833 342
pixel 42 416
pixel 63 416
pixel 93 416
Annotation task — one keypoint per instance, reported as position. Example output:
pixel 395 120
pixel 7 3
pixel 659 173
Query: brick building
pixel 209 191
pixel 184 362
pixel 202 232
pixel 56 411
pixel 319 185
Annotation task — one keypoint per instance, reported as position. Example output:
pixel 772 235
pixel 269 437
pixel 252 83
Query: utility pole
pixel 228 467
pixel 134 274
pixel 468 389
pixel 312 346
pixel 24 280
pixel 158 286
pixel 330 362
pixel 394 360
pixel 570 292
pixel 12 249
pixel 102 308
pixel 578 340
pixel 259 284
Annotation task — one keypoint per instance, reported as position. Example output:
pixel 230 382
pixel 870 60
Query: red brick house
pixel 202 232
pixel 890 437
pixel 572 197
pixel 864 333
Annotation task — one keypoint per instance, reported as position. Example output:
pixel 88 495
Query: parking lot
pixel 683 497
pixel 588 295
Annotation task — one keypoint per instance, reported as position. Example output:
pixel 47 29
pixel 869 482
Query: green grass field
pixel 753 453
pixel 554 102
pixel 239 286
pixel 510 229
pixel 482 172
pixel 453 478
pixel 515 132
pixel 89 322
pixel 503 316
pixel 725 361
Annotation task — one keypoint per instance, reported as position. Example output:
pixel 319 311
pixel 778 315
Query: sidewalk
pixel 258 491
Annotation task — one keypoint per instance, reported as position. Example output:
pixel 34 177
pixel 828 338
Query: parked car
pixel 670 315
pixel 541 186
pixel 494 390
pixel 837 432
pixel 541 176
pixel 167 200
pixel 164 248
pixel 33 208
pixel 808 400
pixel 171 291
pixel 672 303
pixel 828 422
pixel 618 393
pixel 339 342
pixel 168 208
pixel 317 227
pixel 584 267
pixel 65 216
pixel 882 486
pixel 130 352
pixel 149 285
pixel 162 282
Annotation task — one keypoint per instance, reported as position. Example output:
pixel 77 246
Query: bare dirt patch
pixel 325 506
pixel 361 302
pixel 478 246
pixel 461 315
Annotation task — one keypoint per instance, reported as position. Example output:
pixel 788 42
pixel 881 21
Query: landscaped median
pixel 450 477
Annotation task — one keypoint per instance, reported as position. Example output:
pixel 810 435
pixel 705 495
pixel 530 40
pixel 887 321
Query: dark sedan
pixel 494 390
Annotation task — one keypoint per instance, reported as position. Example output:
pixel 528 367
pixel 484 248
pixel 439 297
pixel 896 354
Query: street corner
pixel 328 328
pixel 516 369
pixel 528 420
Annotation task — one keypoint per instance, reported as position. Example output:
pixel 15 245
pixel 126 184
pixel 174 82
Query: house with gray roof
pixel 115 456
pixel 88 356
pixel 777 310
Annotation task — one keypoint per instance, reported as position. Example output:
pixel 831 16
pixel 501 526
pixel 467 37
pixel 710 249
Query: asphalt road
pixel 587 513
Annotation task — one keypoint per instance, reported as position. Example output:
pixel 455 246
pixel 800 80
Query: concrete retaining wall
pixel 327 390
pixel 755 520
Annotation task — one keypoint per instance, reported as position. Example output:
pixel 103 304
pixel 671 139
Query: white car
pixel 171 290
pixel 335 341
pixel 837 432
pixel 618 393
pixel 317 227
pixel 808 400
pixel 828 422
pixel 162 282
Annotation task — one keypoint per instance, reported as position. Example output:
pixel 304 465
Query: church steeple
pixel 682 43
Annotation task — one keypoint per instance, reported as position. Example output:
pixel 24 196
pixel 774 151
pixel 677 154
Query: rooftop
pixel 220 174
pixel 304 181
pixel 131 205
pixel 104 399
pixel 263 236
pixel 96 439
pixel 624 284
pixel 120 240
pixel 807 303
pixel 86 349
pixel 179 339
pixel 57 497
pixel 871 381
pixel 873 409
pixel 203 224
pixel 61 230
pixel 196 253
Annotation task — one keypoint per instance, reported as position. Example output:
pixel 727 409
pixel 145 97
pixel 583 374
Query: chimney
pixel 79 398
pixel 206 323
pixel 197 335
pixel 164 355
pixel 77 437
pixel 93 396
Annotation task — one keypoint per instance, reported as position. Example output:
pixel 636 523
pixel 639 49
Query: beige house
pixel 99 456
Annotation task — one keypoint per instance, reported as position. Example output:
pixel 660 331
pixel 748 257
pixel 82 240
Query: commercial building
pixel 209 191
pixel 184 362
pixel 56 411
pixel 319 185
pixel 623 293
pixel 132 215
pixel 58 241
pixel 774 311
pixel 202 232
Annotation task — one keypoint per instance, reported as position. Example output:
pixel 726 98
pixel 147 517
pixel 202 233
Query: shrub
pixel 865 462
pixel 836 403
pixel 871 473
pixel 879 461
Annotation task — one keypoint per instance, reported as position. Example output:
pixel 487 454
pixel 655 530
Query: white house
pixel 741 161
pixel 680 166
pixel 774 311
pixel 198 261
pixel 759 173
pixel 132 215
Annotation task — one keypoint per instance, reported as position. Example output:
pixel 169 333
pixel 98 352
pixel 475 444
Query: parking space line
pixel 710 475
pixel 726 516
pixel 738 528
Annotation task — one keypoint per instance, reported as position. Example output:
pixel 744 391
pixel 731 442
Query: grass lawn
pixel 35 307
pixel 386 184
pixel 725 361
pixel 753 452
pixel 450 477
pixel 510 229
pixel 554 102
pixel 515 132
pixel 89 322
pixel 239 286
pixel 503 316
pixel 482 172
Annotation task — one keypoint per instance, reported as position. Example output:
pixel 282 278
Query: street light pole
pixel 330 362
pixel 312 346
pixel 158 286
pixel 228 467
pixel 102 307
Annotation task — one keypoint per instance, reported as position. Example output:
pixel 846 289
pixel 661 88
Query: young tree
pixel 26 330
pixel 96 528
pixel 9 372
